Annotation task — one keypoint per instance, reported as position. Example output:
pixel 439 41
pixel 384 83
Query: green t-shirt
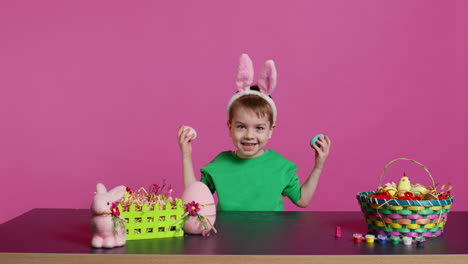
pixel 255 184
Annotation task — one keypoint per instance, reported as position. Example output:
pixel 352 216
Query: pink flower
pixel 193 208
pixel 115 210
pixel 205 233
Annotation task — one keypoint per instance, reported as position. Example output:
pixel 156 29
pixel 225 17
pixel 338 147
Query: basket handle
pixel 388 164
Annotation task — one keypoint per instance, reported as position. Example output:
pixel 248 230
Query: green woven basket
pixel 425 218
pixel 155 223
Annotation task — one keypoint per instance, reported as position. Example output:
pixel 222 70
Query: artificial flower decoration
pixel 115 210
pixel 116 219
pixel 193 208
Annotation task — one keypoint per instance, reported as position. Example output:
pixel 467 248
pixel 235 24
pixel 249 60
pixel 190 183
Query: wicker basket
pixel 425 218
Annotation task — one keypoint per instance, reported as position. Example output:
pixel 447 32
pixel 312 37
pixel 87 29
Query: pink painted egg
pixel 199 193
pixel 192 132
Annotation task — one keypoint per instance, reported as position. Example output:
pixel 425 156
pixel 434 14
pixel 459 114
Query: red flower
pixel 193 208
pixel 115 210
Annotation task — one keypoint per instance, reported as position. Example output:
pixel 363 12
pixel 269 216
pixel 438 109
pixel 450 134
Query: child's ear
pixel 271 130
pixel 229 125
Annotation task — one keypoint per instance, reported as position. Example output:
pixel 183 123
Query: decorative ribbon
pixel 448 185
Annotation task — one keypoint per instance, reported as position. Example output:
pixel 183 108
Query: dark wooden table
pixel 63 235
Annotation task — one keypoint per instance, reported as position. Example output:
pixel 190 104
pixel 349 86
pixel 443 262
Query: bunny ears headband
pixel 266 82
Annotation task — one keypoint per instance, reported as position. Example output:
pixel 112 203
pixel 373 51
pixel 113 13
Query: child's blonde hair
pixel 254 103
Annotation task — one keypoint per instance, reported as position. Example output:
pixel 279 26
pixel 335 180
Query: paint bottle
pixel 370 238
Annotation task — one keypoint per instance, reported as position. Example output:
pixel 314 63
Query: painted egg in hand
pixel 191 132
pixel 198 193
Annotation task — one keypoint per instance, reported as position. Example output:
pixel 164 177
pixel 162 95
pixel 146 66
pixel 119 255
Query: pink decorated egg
pixel 191 132
pixel 198 193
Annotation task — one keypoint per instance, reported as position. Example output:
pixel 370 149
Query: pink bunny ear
pixel 100 188
pixel 267 79
pixel 245 73
pixel 118 192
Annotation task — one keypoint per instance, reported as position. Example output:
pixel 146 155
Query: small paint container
pixel 382 239
pixel 357 237
pixel 370 238
pixel 395 239
pixel 338 232
pixel 420 241
pixel 407 240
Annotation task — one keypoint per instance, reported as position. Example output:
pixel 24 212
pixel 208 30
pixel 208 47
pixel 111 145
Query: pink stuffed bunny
pixel 106 227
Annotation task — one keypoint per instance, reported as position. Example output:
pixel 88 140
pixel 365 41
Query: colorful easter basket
pixel 145 223
pixel 423 218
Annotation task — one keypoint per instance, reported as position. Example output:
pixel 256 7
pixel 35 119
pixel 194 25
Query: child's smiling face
pixel 249 132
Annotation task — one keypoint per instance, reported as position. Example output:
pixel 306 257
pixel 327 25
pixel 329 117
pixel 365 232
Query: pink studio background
pixel 94 91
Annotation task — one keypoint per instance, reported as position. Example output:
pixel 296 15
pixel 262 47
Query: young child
pixel 253 178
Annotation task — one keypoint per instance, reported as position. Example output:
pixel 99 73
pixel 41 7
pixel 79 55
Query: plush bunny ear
pixel 100 188
pixel 245 73
pixel 267 79
pixel 118 192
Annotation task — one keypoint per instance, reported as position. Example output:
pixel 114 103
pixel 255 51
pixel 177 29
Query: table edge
pixel 53 258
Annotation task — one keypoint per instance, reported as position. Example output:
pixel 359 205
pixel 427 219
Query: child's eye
pixel 240 126
pixel 260 128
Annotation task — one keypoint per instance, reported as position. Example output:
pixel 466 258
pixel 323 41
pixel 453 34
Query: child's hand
pixel 321 153
pixel 185 138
